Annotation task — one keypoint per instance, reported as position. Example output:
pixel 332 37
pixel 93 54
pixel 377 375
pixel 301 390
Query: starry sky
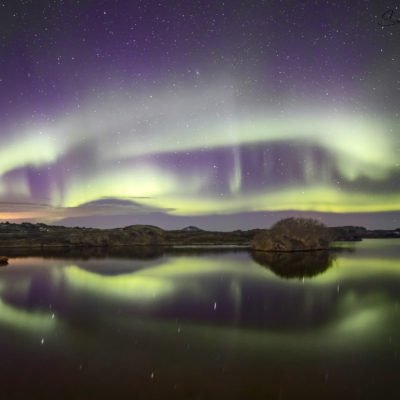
pixel 221 114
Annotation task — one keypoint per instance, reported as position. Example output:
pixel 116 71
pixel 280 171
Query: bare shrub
pixel 293 234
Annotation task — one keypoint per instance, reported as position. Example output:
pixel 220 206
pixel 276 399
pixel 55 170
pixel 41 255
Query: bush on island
pixel 293 234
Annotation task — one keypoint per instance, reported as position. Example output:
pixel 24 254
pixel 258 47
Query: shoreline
pixel 40 237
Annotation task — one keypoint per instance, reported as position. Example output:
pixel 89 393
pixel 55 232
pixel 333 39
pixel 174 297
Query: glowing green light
pixel 128 286
pixel 33 321
pixel 323 199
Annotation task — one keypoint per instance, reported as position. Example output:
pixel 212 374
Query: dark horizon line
pixel 205 230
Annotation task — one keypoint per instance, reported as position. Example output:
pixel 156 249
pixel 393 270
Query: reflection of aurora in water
pixel 22 319
pixel 218 302
pixel 162 285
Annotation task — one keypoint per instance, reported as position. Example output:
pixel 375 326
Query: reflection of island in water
pixel 298 264
pixel 284 264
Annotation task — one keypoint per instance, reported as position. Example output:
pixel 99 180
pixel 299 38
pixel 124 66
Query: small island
pixel 294 234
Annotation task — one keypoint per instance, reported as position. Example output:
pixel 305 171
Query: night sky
pixel 221 114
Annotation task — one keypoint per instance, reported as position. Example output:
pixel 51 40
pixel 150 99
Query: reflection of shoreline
pixel 294 264
pixel 134 252
pixel 86 253
pixel 138 252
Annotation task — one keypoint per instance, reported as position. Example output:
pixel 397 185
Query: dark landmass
pixel 27 235
pixel 3 260
pixel 357 233
pixel 42 235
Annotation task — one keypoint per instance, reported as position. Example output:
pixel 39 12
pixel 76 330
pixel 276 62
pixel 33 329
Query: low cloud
pixel 36 212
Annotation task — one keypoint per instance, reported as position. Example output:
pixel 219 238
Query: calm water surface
pixel 195 324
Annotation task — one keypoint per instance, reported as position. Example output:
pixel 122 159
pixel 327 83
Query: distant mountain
pixel 192 229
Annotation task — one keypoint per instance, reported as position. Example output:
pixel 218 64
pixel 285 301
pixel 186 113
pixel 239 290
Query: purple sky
pixel 226 115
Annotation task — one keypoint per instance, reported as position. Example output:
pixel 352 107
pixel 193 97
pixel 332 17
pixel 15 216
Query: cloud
pixel 46 213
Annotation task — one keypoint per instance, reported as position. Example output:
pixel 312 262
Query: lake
pixel 197 324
